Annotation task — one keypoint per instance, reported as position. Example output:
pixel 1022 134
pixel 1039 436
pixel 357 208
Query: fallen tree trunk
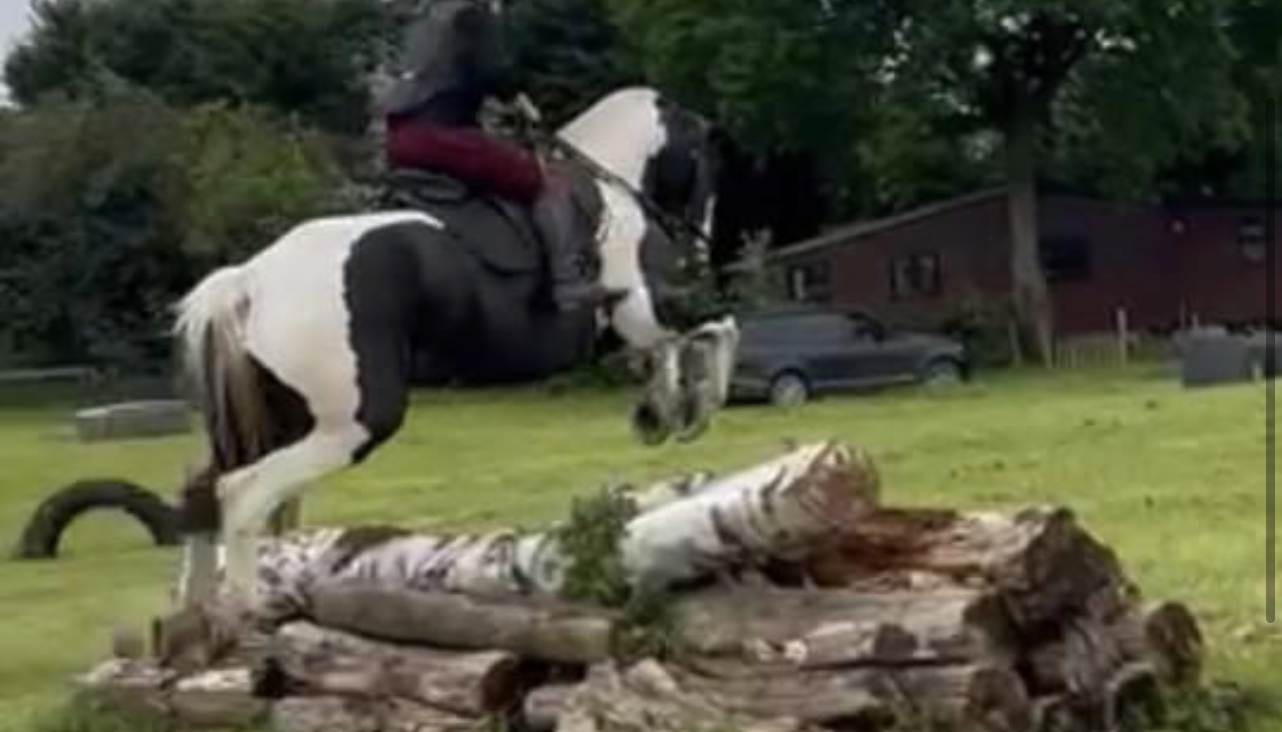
pixel 1165 634
pixel 348 714
pixel 645 698
pixel 975 696
pixel 780 510
pixel 1043 563
pixel 541 711
pixel 530 628
pixel 327 661
pixel 1093 647
pixel 777 511
pixel 818 629
pixel 215 698
pixel 136 688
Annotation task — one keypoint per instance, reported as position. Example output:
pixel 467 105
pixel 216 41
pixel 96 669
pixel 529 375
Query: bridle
pixel 671 223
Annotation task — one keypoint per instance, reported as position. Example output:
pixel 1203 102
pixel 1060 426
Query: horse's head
pixel 665 158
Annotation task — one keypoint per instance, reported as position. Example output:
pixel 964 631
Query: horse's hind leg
pixel 336 440
pixel 250 495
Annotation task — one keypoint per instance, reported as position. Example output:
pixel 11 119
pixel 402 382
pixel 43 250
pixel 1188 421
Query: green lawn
pixel 1174 480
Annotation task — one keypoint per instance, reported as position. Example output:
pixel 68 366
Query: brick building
pixel 1165 265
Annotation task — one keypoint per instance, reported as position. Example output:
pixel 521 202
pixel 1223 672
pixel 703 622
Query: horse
pixel 298 358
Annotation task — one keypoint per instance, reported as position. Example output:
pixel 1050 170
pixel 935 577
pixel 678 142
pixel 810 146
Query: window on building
pixel 809 282
pixel 1250 239
pixel 915 275
pixel 1066 258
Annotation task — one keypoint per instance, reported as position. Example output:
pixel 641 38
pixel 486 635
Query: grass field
pixel 1173 480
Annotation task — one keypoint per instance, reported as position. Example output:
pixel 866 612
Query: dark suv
pixel 787 356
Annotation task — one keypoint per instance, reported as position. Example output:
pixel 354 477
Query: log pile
pixel 791 600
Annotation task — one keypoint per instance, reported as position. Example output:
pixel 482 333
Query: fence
pixel 1120 347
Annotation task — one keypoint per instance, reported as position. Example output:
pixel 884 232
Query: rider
pixel 454 59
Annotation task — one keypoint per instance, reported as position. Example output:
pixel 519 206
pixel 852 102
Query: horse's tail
pixel 225 385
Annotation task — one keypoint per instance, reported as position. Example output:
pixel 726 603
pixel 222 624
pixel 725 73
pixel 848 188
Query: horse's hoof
pixel 694 418
pixel 649 426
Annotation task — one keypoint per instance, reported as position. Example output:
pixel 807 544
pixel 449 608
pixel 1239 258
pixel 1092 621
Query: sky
pixel 13 22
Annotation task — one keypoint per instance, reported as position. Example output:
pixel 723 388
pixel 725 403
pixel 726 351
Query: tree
pixel 1125 84
pixel 570 52
pixel 299 57
pixel 103 227
pixel 793 84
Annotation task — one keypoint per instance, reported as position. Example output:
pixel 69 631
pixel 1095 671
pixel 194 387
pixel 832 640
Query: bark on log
pixel 645 698
pixel 530 628
pixel 1093 646
pixel 975 696
pixel 348 714
pixel 541 711
pixel 327 661
pixel 1165 634
pixel 1044 564
pixel 818 629
pixel 779 510
pixel 133 688
pixel 1079 662
pixel 217 699
pixel 1134 699
pixel 776 511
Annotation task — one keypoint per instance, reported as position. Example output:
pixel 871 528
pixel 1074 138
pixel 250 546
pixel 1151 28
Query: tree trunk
pixel 1032 301
pixel 327 661
pixel 348 714
pixel 973 696
pixel 810 629
pixel 776 511
pixel 646 698
pixel 220 698
pixel 539 630
pixel 1044 565
pixel 1165 634
pixel 779 510
pixel 1092 647
pixel 136 688
pixel 541 711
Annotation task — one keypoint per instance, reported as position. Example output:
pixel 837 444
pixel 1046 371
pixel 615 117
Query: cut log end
pixel 1174 641
pixel 996 701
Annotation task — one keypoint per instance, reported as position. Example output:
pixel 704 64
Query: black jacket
pixel 455 58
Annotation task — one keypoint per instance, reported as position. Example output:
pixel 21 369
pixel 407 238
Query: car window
pixel 807 329
pixel 827 329
pixel 794 330
pixel 862 327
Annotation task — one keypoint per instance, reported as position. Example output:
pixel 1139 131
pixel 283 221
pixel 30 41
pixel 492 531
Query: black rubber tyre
pixel 943 372
pixel 789 389
pixel 44 531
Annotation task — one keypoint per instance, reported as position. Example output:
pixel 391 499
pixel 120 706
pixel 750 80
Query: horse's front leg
pixel 707 358
pixel 656 414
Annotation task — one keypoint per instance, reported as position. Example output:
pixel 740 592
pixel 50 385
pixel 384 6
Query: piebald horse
pixel 299 358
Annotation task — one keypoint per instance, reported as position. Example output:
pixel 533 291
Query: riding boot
pixel 554 218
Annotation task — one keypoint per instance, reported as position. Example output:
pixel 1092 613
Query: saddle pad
pixel 500 234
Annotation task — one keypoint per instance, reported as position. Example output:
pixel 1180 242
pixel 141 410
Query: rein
pixel 668 221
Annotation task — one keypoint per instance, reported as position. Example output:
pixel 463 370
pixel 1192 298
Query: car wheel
pixel 789 389
pixel 942 372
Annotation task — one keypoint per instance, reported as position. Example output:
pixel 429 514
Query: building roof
pixel 844 234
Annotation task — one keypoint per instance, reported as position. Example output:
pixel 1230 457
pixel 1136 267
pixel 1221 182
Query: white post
pixel 1123 337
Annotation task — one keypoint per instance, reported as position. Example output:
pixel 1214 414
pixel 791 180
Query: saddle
pixel 501 233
